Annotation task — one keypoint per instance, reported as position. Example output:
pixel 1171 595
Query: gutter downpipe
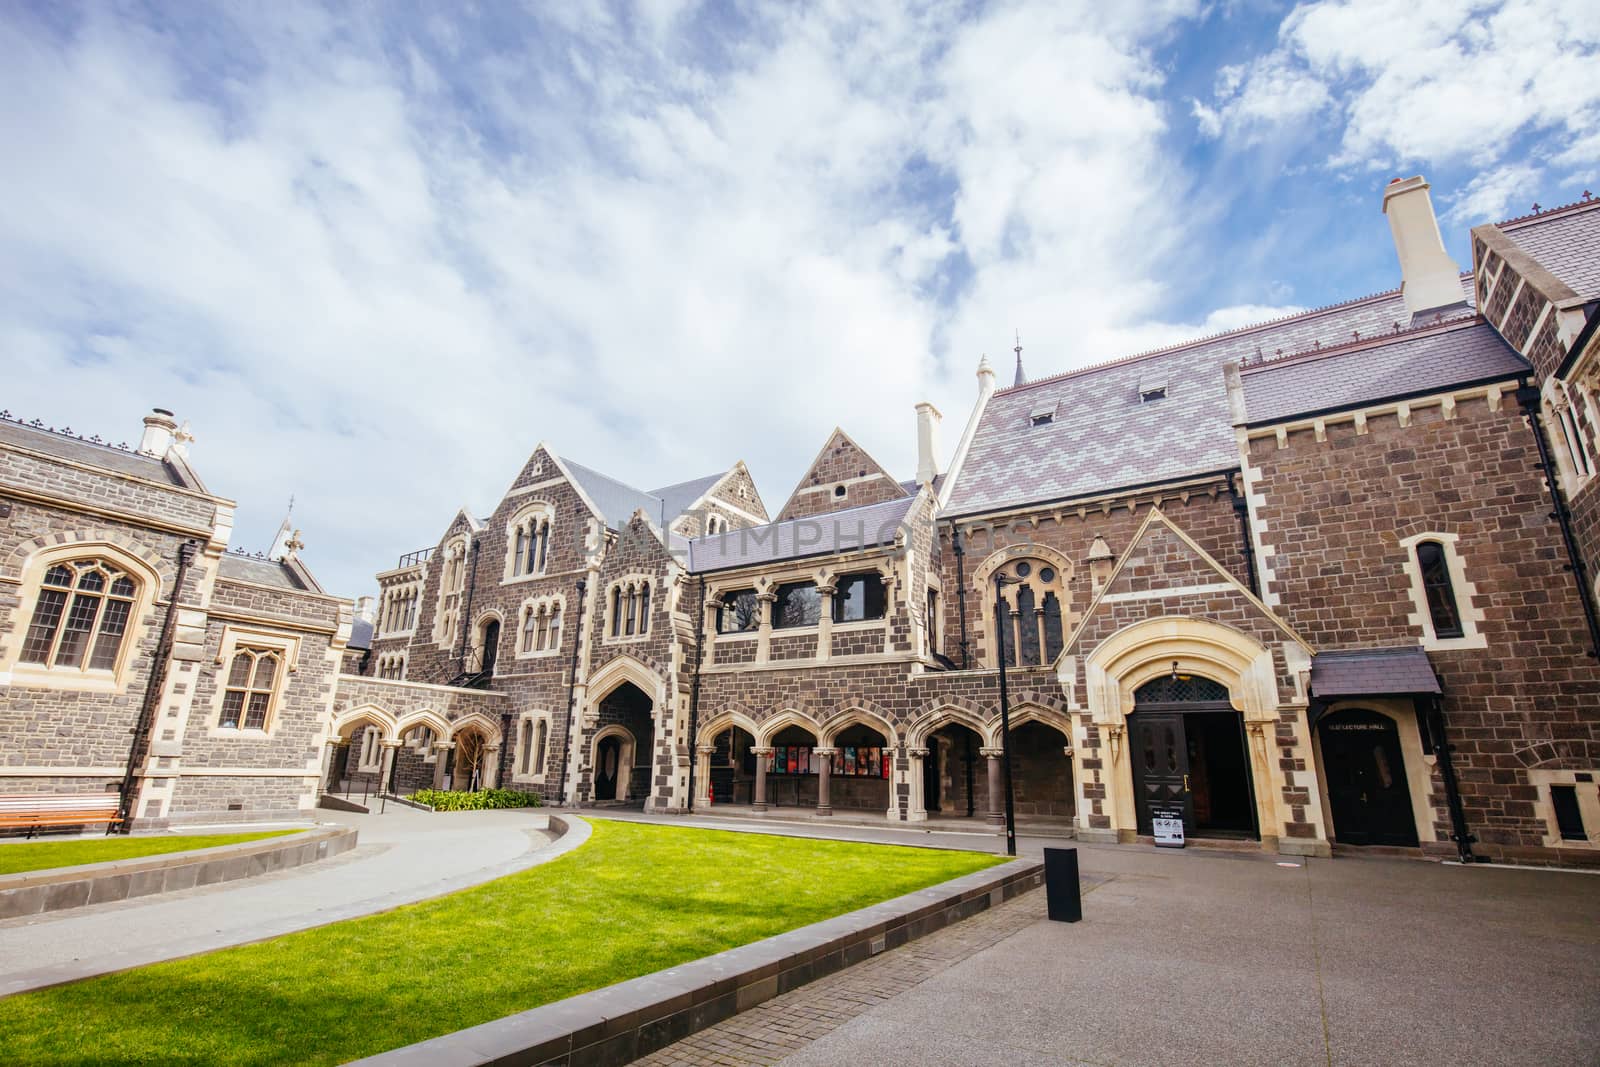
pixel 466 611
pixel 1241 508
pixel 1452 789
pixel 694 697
pixel 961 590
pixel 572 695
pixel 1529 397
pixel 152 692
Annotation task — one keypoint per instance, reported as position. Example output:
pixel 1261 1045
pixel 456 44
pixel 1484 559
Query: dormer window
pixel 1152 387
pixel 1042 416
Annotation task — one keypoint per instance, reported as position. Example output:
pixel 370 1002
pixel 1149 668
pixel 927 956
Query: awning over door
pixel 1372 672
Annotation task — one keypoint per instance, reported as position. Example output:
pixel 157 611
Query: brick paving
pixel 770 1031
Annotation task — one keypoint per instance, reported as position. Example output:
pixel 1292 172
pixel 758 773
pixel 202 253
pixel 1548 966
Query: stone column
pixel 329 748
pixel 702 776
pixel 709 645
pixel 824 779
pixel 491 766
pixel 764 628
pixel 825 623
pixel 919 803
pixel 391 750
pixel 997 800
pixel 761 755
pixel 441 761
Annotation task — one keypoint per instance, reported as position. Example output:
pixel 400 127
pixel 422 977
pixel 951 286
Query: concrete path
pixel 1218 958
pixel 403 856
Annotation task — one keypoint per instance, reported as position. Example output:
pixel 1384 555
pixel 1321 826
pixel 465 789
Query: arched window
pixel 630 608
pixel 81 618
pixel 541 627
pixel 530 544
pixel 1441 593
pixel 541 742
pixel 252 681
pixel 527 746
pixel 369 757
pixel 453 580
pixel 1030 609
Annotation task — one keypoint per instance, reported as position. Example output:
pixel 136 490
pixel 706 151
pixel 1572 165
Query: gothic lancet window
pixel 247 699
pixel 81 617
pixel 1030 609
pixel 1436 583
pixel 630 608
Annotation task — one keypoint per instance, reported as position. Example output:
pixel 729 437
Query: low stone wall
pixel 621 1023
pixel 35 892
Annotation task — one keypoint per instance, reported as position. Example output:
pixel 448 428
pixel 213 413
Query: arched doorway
pixel 794 774
pixel 1189 756
pixel 955 780
pixel 610 769
pixel 1041 771
pixel 1364 768
pixel 733 767
pixel 861 767
pixel 620 752
pixel 467 772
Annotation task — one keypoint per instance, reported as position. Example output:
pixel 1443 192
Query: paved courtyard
pixel 1197 957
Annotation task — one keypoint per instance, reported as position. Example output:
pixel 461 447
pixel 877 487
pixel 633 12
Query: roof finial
pixel 1021 378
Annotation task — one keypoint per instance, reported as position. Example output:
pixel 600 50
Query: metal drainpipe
pixel 152 693
pixel 572 695
pixel 1528 396
pixel 1452 789
pixel 694 695
pixel 466 611
pixel 961 590
pixel 1241 508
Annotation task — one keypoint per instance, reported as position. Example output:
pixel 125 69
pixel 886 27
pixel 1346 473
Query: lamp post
pixel 1005 715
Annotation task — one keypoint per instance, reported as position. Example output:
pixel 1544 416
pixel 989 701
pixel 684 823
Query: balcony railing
pixel 411 559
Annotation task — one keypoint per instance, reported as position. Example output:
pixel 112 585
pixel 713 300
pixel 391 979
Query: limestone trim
pixel 372 713
pixel 928 723
pixel 1465 594
pixel 637 591
pixel 858 714
pixel 530 518
pixel 625 755
pixel 1492 394
pixel 1588 804
pixel 452 581
pixel 1418 766
pixel 528 763
pixel 142 617
pixel 476 720
pixel 239 639
pixel 133 518
pixel 1156 515
pixel 423 717
pixel 1151 648
pixel 553 608
pixel 777 723
pixel 728 718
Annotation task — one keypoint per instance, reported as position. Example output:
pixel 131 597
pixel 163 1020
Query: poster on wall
pixel 849 759
pixel 838 761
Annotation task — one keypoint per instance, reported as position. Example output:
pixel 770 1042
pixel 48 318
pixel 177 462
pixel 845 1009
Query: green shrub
pixel 483 800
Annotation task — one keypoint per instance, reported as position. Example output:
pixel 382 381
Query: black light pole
pixel 1005 716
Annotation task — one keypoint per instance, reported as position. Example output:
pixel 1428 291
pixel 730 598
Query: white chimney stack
pixel 1429 277
pixel 928 419
pixel 159 428
pixel 366 609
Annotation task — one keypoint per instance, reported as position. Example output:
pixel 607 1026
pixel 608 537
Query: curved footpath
pixel 404 856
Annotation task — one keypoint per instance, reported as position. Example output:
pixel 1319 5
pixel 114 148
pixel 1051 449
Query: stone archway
pixel 612 754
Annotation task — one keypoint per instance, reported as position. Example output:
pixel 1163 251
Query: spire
pixel 286 535
pixel 1022 379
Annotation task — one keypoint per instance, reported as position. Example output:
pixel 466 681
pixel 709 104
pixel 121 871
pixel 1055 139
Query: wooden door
pixel 1366 773
pixel 607 759
pixel 1160 766
pixel 491 646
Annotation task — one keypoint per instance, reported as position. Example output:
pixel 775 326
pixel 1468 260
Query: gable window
pixel 530 545
pixel 452 581
pixel 858 597
pixel 252 681
pixel 81 618
pixel 541 627
pixel 1436 584
pixel 1573 436
pixel 1030 610
pixel 798 604
pixel 630 608
pixel 740 612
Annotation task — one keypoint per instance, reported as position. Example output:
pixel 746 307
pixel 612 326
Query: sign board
pixel 1167 826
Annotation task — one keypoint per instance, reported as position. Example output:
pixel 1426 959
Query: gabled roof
pixel 834 532
pixel 360 634
pixel 1565 241
pixel 1467 351
pixel 1372 672
pixel 860 459
pixel 617 501
pixel 676 499
pixel 276 573
pixel 1103 437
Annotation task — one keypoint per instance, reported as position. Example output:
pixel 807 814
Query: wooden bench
pixel 35 810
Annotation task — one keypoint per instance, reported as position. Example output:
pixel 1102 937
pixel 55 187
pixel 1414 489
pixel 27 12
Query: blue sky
pixel 374 253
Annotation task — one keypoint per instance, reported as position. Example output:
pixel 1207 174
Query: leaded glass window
pixel 81 617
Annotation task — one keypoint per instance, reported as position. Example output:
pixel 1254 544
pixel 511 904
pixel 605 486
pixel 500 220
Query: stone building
pixel 134 647
pixel 1325 581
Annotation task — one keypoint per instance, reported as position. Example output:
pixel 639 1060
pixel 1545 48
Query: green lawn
pixel 636 898
pixel 42 855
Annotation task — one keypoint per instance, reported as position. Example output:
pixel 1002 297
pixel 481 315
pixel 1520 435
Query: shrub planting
pixel 482 800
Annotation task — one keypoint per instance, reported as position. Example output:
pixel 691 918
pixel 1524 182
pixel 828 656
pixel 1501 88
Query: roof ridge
pixel 38 426
pixel 1587 200
pixel 687 481
pixel 1308 355
pixel 615 481
pixel 1204 339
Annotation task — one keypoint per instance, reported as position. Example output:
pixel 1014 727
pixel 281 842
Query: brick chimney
pixel 1429 277
pixel 928 419
pixel 159 429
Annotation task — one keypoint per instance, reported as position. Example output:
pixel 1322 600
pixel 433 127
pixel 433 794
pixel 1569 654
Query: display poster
pixel 1166 825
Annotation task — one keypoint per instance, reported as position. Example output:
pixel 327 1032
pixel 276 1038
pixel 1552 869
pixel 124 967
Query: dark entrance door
pixel 930 778
pixel 1160 766
pixel 1366 779
pixel 607 757
pixel 491 645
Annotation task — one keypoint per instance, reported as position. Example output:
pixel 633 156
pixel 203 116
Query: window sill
pixel 523 579
pixel 549 653
pixel 860 624
pixel 37 676
pixel 1451 644
pixel 625 640
pixel 239 733
pixel 739 635
pixel 796 631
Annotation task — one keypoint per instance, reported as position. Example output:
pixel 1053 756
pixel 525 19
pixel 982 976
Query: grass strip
pixel 45 855
pixel 635 899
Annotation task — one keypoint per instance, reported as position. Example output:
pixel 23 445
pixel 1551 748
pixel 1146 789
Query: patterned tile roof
pixel 1566 242
pixel 1372 672
pixel 1103 437
pixel 1468 350
pixel 76 450
pixel 819 535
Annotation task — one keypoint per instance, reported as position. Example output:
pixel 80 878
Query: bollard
pixel 1062 893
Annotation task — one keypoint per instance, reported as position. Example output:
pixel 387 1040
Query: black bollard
pixel 1063 896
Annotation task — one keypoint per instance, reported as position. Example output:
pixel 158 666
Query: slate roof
pixel 273 572
pixel 86 452
pixel 1464 352
pixel 1104 438
pixel 1566 242
pixel 618 501
pixel 1372 672
pixel 817 535
pixel 361 634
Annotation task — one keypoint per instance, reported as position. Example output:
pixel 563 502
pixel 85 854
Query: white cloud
pixel 1492 194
